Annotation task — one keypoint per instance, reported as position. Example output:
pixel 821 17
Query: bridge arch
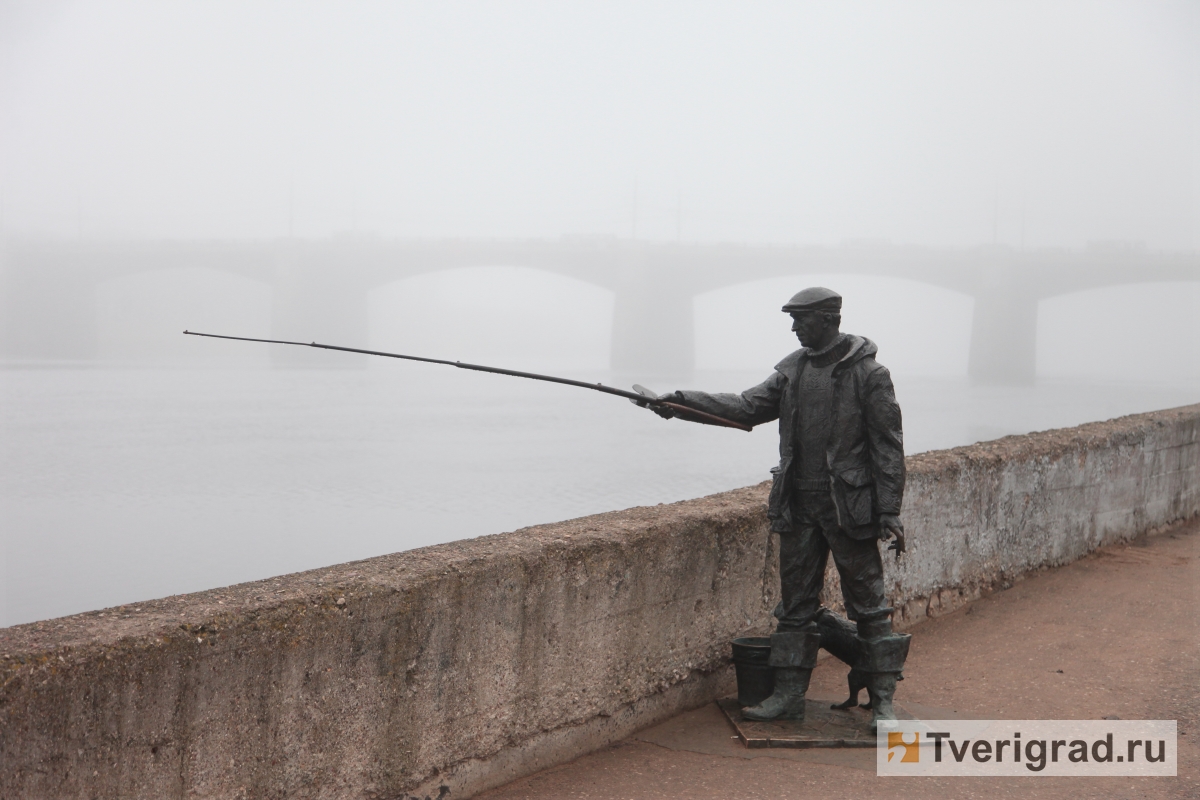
pixel 1134 331
pixel 921 328
pixel 522 317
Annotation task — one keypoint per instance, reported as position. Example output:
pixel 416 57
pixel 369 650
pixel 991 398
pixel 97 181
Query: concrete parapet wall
pixel 980 516
pixel 466 665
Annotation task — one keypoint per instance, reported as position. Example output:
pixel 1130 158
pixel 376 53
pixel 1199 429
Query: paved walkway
pixel 1116 633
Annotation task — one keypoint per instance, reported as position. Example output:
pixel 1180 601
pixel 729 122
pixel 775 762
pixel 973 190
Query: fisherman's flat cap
pixel 816 298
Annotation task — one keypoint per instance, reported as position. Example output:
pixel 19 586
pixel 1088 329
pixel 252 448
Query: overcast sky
pixel 1047 123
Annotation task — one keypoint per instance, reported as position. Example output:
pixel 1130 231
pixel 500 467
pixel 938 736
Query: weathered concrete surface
pixel 469 664
pixel 980 516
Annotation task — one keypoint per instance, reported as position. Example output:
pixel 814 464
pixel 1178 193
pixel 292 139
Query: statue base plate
pixel 822 726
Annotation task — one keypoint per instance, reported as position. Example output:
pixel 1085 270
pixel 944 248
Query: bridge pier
pixel 653 331
pixel 313 302
pixel 1004 329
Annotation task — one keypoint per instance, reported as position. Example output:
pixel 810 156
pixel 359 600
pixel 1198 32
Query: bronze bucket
pixel 755 679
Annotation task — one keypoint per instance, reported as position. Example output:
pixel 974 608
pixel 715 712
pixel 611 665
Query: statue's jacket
pixel 866 443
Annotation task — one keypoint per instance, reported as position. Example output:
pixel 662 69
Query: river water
pixel 120 485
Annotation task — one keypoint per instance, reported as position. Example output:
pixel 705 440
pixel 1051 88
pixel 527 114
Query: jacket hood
pixel 860 347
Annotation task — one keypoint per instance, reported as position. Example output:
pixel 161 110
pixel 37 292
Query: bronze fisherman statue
pixel 837 490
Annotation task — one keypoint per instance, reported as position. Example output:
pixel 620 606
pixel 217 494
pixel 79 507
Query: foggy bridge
pixel 320 288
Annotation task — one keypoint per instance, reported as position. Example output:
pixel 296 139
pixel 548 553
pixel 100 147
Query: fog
pixel 939 123
pixel 537 185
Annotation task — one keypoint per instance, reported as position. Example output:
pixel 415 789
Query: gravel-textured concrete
pixel 469 664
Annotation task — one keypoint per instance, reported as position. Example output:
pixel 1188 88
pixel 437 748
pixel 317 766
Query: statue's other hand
pixel 892 531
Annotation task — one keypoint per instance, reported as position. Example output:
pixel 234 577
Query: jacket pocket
pixel 859 490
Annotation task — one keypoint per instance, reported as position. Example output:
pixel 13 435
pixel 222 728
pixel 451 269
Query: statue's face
pixel 808 326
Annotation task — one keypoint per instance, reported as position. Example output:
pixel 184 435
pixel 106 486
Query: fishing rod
pixel 643 396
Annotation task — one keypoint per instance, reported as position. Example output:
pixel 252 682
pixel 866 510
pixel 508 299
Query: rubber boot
pixel 787 702
pixel 883 657
pixel 881 686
